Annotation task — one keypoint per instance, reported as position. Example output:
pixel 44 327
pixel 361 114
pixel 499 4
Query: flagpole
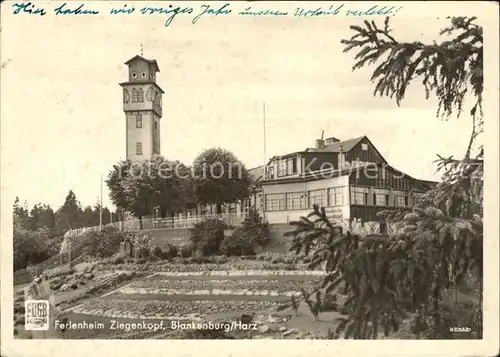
pixel 100 209
pixel 264 133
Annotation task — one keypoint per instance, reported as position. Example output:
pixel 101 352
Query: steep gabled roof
pixel 347 145
pixel 137 57
pixel 257 173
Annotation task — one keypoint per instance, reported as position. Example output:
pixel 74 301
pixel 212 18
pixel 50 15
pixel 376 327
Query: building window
pixel 359 195
pixel 126 96
pixel 275 202
pixel 317 197
pixel 401 199
pixel 143 74
pixel 380 197
pixel 282 168
pixel 335 196
pixel 140 95
pixel 295 200
pixel 139 148
pixel 270 172
pixel 380 200
pixel 138 121
pixel 134 75
pixel 134 95
pixel 364 147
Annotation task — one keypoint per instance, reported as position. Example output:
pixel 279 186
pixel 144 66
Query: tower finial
pixel 142 52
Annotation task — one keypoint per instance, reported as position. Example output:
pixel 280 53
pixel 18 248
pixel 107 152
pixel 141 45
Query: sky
pixel 63 124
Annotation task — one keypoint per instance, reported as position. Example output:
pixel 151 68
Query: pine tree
pixel 437 245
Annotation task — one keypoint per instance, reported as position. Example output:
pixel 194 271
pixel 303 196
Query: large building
pixel 349 178
pixel 142 105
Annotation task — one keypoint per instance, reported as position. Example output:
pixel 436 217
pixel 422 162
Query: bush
pixel 255 230
pixel 119 259
pixel 207 236
pixel 169 252
pixel 186 250
pixel 141 242
pixel 248 238
pixel 143 252
pixel 99 244
pixel 29 247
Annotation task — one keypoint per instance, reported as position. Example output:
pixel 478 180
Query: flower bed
pixel 101 286
pixel 168 267
pixel 252 285
pixel 167 309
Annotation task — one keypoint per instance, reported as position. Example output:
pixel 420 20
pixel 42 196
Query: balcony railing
pixel 232 219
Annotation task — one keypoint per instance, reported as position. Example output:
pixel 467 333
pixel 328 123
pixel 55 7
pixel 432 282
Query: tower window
pixel 134 75
pixel 138 121
pixel 143 74
pixel 139 148
pixel 137 95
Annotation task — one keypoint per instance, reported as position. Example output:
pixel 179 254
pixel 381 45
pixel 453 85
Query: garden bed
pixel 190 306
pixel 236 284
pixel 194 267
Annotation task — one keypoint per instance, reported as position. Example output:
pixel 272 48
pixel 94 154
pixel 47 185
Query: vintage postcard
pixel 182 172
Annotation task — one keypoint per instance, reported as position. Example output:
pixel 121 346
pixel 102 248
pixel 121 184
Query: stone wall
pixel 179 236
pixel 175 236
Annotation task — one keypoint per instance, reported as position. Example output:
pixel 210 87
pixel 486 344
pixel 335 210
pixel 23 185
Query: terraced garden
pixel 219 297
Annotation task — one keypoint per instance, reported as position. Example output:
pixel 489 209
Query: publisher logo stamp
pixel 37 315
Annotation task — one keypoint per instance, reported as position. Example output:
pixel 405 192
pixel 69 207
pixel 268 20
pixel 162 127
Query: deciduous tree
pixel 140 187
pixel 220 178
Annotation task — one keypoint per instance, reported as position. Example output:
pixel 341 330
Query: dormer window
pixel 282 168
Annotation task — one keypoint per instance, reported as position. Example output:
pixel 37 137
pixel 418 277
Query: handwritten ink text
pixel 300 12
pixel 262 13
pixel 80 10
pixel 169 10
pixel 374 10
pixel 224 10
pixel 125 10
pixel 27 8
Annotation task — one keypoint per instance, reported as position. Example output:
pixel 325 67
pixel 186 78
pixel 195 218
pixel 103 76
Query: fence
pixel 232 219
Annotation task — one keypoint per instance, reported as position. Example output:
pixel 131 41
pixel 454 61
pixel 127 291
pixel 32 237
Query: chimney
pixel 331 140
pixel 341 158
pixel 319 143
